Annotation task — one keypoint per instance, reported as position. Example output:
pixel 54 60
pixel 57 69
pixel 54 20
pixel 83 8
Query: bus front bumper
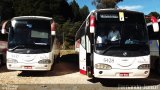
pixel 117 73
pixel 29 67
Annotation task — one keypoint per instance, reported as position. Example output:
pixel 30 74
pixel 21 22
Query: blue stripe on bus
pixel 157 43
pixel 150 42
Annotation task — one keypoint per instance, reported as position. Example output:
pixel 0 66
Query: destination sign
pixel 108 16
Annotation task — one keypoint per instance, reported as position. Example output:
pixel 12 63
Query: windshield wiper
pixel 18 46
pixel 110 48
pixel 133 41
pixel 40 43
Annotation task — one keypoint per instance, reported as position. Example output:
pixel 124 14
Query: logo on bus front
pixel 28 51
pixel 124 53
pixel 108 60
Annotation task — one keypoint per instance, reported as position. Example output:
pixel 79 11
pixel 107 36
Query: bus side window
pixel 83 35
pixel 83 41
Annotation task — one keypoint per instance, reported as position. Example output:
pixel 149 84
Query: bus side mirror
pixel 3 31
pixel 53 28
pixel 155 24
pixel 77 45
pixel 5 27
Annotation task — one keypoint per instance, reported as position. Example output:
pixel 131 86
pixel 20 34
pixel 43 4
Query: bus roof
pixel 113 9
pixel 109 9
pixel 32 17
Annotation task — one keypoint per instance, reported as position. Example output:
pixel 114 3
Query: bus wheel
pixel 158 66
pixel 89 72
pixel 58 58
pixel 52 68
pixel 1 59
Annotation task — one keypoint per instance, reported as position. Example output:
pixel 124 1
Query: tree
pixel 66 33
pixel 100 4
pixel 32 7
pixel 60 8
pixel 42 8
pixel 6 9
pixel 75 11
pixel 68 17
pixel 84 11
pixel 156 14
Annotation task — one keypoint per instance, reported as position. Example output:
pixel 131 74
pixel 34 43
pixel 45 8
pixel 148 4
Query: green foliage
pixel 48 8
pixel 75 11
pixel 6 10
pixel 66 33
pixel 84 11
pixel 100 4
pixel 68 16
pixel 157 15
pixel 42 8
pixel 23 7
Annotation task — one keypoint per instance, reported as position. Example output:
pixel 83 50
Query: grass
pixel 66 52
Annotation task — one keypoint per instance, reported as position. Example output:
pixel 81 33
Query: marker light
pixel 92 23
pixel 3 31
pixel 12 61
pixel 44 61
pixel 144 66
pixel 103 66
pixel 53 28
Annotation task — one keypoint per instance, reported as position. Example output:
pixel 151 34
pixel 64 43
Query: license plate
pixel 28 67
pixel 124 74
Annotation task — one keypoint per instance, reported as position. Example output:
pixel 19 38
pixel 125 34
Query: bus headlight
pixel 103 66
pixel 144 66
pixel 12 61
pixel 44 61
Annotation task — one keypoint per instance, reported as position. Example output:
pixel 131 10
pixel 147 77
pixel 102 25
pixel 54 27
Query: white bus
pixel 32 43
pixel 124 54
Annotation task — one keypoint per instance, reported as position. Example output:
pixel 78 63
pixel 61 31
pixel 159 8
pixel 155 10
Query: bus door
pixel 82 50
pixel 4 40
pixel 82 56
pixel 153 32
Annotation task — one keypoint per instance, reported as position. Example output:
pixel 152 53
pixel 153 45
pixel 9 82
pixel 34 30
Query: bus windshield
pixel 113 36
pixel 29 33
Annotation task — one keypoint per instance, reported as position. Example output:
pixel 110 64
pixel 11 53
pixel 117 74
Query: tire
pixel 89 72
pixel 57 58
pixel 55 61
pixel 4 60
pixel 157 64
pixel 90 68
pixel 1 60
pixel 52 66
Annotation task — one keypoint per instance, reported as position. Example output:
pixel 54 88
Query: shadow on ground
pixel 67 64
pixel 4 69
pixel 153 79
